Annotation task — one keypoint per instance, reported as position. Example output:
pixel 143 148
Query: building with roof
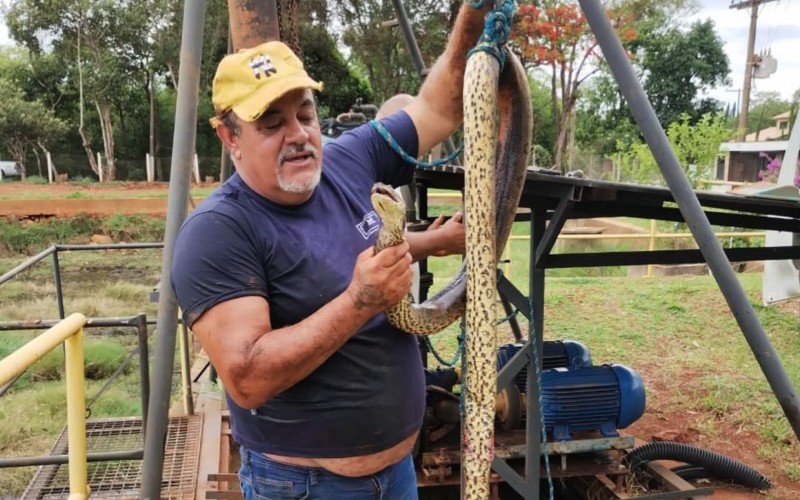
pixel 744 160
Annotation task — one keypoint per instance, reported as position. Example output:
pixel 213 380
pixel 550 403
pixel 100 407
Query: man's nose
pixel 297 133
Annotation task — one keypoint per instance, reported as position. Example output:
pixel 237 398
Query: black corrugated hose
pixel 718 466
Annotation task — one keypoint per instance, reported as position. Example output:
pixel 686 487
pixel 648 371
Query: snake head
pixel 388 203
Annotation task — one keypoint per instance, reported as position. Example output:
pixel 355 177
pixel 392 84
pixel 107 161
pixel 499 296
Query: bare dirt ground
pixel 22 200
pixel 662 422
pixel 60 190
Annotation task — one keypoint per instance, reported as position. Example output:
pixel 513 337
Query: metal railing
pixel 54 251
pixel 139 322
pixel 68 331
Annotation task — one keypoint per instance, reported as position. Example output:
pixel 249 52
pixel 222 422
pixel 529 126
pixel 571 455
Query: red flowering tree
pixel 556 35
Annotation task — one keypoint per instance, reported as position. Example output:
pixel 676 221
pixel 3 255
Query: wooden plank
pixel 674 482
pixel 224 476
pixel 232 495
pixel 211 407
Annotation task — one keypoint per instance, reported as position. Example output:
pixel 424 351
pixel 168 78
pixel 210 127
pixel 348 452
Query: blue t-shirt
pixel 369 395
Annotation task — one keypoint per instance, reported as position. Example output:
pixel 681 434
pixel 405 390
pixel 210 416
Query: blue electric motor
pixel 594 398
pixel 556 354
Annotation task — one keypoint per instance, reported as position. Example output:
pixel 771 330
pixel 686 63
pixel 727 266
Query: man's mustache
pixel 293 150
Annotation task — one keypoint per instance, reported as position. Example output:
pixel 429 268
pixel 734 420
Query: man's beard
pixel 300 186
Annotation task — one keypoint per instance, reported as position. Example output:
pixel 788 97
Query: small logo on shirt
pixel 369 224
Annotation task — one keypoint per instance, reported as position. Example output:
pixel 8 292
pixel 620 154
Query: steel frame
pixel 554 199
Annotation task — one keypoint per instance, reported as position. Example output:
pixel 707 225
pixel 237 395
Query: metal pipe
pixel 63 459
pixel 690 208
pixel 533 421
pixel 416 57
pixel 408 36
pixel 253 22
pixel 109 246
pixel 144 366
pixel 76 416
pixel 59 291
pixel 186 369
pixel 47 323
pixel 643 236
pixel 28 263
pixel 16 362
pixel 182 156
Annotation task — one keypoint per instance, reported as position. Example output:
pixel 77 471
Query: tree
pixel 696 146
pixel 25 124
pixel 678 66
pixel 107 47
pixel 557 36
pixel 379 51
pixel 763 107
pixel 325 63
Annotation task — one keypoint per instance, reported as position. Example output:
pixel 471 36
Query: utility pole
pixel 748 69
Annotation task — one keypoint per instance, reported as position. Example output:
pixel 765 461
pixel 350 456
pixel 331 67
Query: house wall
pixel 744 167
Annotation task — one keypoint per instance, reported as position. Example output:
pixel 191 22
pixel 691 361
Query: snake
pixel 497 135
pixel 512 147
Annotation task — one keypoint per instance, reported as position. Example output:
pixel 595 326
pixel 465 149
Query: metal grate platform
pixel 122 479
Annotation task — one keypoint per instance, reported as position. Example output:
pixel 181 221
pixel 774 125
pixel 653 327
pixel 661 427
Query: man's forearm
pixel 423 244
pixel 282 357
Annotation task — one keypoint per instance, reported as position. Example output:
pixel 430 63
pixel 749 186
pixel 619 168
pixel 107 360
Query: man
pixel 277 277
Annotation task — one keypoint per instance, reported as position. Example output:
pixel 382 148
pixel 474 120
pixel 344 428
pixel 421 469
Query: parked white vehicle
pixel 9 169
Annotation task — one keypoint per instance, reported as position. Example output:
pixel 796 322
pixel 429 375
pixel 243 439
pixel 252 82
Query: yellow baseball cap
pixel 252 79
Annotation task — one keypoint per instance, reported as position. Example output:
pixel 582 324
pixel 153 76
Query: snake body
pixel 511 147
pixel 497 132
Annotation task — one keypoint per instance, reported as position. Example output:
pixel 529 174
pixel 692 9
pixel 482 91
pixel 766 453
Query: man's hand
pixel 381 280
pixel 451 235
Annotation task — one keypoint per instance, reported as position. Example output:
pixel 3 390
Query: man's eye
pixel 271 125
pixel 307 119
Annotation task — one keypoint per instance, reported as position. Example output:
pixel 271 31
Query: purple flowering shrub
pixel 771 171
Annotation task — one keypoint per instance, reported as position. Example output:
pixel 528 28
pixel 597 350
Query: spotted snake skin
pixel 497 133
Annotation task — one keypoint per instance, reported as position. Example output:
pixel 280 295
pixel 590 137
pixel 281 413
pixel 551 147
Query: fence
pixel 68 331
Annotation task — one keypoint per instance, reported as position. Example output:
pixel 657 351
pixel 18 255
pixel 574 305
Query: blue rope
pixel 496 28
pixel 456 356
pixel 378 126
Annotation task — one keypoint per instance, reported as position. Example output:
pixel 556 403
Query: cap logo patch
pixel 262 64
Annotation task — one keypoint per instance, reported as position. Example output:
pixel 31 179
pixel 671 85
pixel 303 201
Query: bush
pixel 102 357
pixel 35 179
pixel 82 179
pixel 134 227
pixel 34 237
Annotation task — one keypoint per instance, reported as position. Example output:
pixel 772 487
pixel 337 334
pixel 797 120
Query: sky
pixel 778 30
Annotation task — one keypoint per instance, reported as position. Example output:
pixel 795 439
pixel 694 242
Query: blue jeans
pixel 265 479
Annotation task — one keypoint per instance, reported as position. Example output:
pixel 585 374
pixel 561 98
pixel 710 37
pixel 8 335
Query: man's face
pixel 280 155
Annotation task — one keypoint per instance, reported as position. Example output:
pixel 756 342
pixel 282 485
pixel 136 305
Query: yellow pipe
pixel 76 417
pixel 651 246
pixel 715 182
pixel 19 360
pixel 184 389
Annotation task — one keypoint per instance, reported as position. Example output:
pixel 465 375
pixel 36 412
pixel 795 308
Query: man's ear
pixel 228 139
